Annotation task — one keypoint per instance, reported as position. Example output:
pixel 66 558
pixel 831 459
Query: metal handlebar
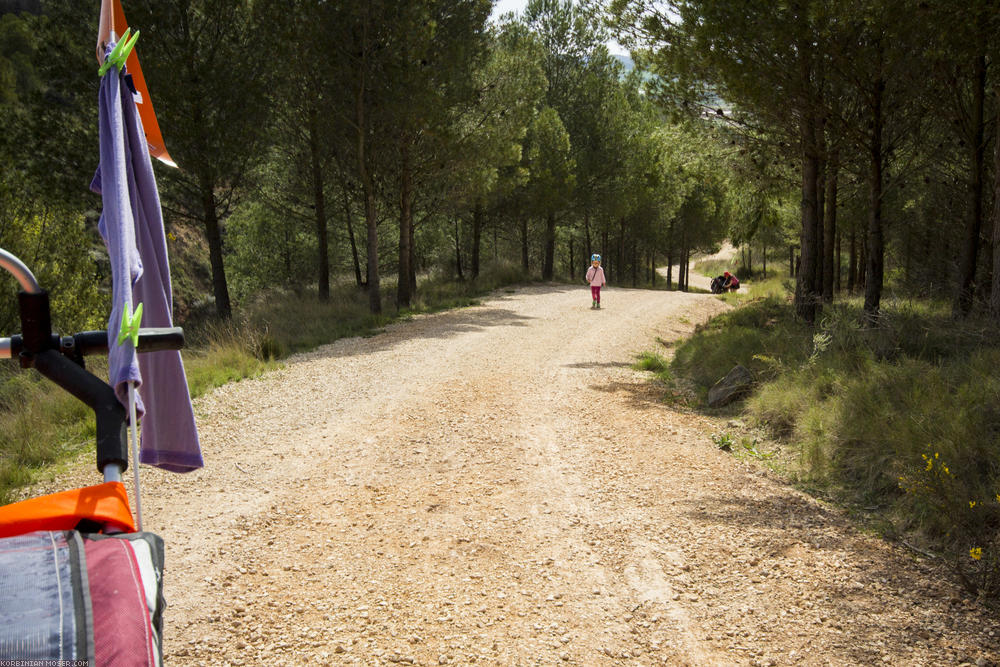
pixel 17 269
pixel 151 339
pixel 60 358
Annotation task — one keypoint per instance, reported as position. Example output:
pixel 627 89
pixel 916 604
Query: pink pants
pixel 595 293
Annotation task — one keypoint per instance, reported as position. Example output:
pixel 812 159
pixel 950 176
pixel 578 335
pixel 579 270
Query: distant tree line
pixel 365 139
pixel 375 140
pixel 886 113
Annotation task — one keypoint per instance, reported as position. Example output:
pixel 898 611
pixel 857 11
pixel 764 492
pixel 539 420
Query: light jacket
pixel 595 276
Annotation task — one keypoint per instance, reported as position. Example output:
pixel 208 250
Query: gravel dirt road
pixel 496 485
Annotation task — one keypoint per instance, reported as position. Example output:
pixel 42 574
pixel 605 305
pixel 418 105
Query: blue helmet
pixel 595 257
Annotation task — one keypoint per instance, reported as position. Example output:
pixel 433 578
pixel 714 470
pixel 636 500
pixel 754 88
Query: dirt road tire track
pixel 496 485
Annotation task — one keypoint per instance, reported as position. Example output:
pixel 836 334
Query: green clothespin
pixel 120 53
pixel 130 325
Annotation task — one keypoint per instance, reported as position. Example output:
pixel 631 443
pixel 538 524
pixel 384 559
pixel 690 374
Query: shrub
pixel 903 417
pixel 965 516
pixel 759 337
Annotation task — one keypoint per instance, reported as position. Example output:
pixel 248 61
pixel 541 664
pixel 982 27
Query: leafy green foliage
pixel 723 441
pixel 868 410
pixel 56 247
pixel 549 162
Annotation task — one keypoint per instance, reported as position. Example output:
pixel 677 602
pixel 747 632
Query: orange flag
pixel 113 21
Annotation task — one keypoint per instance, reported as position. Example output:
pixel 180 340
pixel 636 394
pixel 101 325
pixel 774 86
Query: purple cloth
pixel 132 227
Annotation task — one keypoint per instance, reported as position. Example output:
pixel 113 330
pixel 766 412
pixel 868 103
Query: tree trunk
pixel 372 281
pixel 319 200
pixel 586 231
pixel 571 269
pixel 367 179
pixel 820 251
pixel 635 264
pixel 371 213
pixel 548 260
pixel 403 294
pixel 838 262
pixel 413 261
pixel 670 256
pixel 477 235
pixel 458 249
pixel 496 241
pixel 852 263
pixel 682 277
pixel 687 266
pixel 791 261
pixel 620 250
pixel 213 233
pixel 995 291
pixel 604 249
pixel 682 264
pixel 862 262
pixel 805 292
pixel 350 236
pixel 286 251
pixel 875 249
pixel 908 258
pixel 524 245
pixel 973 227
pixel 830 227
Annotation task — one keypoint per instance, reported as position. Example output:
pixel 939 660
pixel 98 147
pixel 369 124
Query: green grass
pixel 38 427
pixel 859 409
pixel 654 363
pixel 764 337
pixel 285 324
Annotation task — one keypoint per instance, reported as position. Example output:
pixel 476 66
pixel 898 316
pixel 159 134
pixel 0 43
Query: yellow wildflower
pixel 972 503
pixel 976 553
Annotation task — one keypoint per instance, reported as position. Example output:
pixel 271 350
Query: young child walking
pixel 595 276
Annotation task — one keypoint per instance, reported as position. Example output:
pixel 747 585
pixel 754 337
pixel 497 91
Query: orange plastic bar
pixel 105 504
pixel 113 21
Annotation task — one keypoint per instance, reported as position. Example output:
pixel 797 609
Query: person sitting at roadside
pixel 730 282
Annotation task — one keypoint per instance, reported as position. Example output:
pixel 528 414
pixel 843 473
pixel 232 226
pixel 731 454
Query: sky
pixel 504 6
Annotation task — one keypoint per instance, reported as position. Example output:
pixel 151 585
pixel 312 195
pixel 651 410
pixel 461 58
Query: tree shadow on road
pixel 598 364
pixel 866 586
pixel 640 394
pixel 446 324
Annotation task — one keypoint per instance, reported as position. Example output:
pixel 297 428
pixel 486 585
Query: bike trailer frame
pixel 77 582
